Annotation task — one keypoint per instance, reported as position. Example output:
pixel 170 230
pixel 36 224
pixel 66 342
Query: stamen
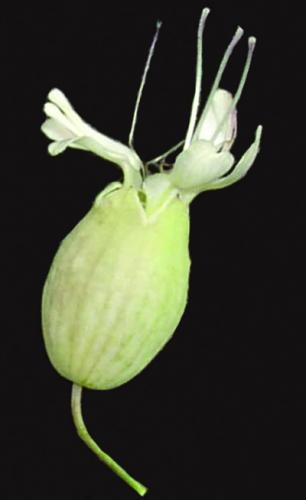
pixel 167 153
pixel 251 43
pixel 198 79
pixel 142 83
pixel 227 54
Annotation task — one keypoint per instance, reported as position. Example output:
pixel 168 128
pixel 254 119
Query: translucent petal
pixel 57 97
pixel 199 164
pixel 67 129
pixel 159 191
pixel 155 184
pixel 242 166
pixel 52 111
pixel 55 148
pixel 55 130
pixel 212 118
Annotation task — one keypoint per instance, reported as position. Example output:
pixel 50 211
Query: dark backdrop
pixel 221 412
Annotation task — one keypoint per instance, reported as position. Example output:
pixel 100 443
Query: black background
pixel 221 412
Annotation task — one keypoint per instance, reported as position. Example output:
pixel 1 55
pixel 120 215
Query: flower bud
pixel 116 290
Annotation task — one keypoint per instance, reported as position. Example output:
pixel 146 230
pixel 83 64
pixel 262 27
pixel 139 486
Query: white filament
pixel 198 79
pixel 142 83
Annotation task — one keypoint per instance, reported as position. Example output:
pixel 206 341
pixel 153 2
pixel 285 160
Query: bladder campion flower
pixel 117 287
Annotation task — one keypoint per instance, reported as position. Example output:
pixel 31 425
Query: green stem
pixel 85 436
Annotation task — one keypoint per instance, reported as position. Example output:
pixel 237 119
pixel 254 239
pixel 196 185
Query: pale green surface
pixel 116 290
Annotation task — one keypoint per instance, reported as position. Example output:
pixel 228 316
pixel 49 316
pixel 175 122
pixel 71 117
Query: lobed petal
pixel 57 97
pixel 52 111
pixel 242 166
pixel 212 118
pixel 55 130
pixel 67 129
pixel 55 148
pixel 199 165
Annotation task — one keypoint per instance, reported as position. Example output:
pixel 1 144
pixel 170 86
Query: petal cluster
pixel 206 163
pixel 67 129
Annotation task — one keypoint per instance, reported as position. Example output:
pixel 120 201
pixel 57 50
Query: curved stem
pixel 85 436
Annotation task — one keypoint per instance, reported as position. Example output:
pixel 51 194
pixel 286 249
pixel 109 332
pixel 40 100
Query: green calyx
pixel 117 289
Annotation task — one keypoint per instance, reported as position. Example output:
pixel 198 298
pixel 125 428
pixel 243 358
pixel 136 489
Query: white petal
pixel 242 166
pixel 199 164
pixel 67 129
pixel 212 117
pixel 52 111
pixel 55 148
pixel 82 135
pixel 58 97
pixel 110 149
pixel 154 185
pixel 55 130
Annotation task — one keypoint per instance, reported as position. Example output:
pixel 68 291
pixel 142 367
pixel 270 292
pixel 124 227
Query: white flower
pixel 67 129
pixel 131 248
pixel 206 158
pixel 203 164
pixel 206 162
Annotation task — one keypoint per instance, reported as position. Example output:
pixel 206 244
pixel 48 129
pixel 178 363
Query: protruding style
pixel 142 83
